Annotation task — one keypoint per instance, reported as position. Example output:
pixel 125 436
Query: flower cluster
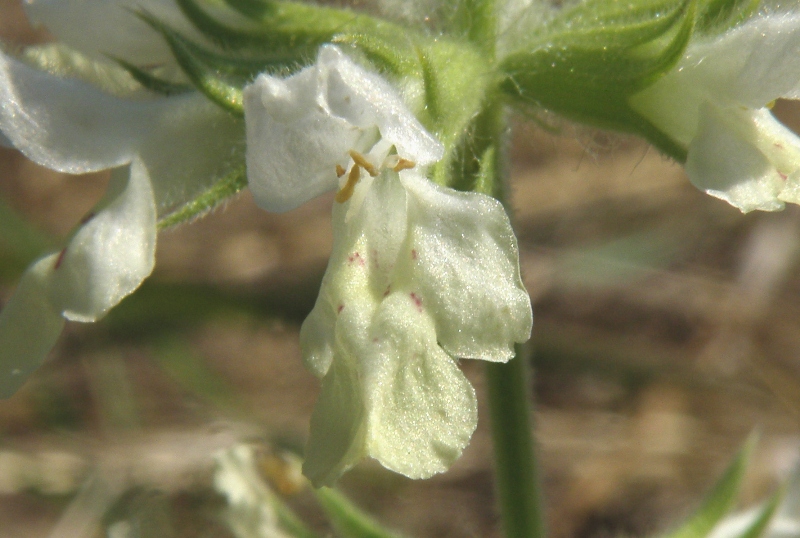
pixel 420 275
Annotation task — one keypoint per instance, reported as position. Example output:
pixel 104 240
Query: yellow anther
pixel 362 161
pixel 403 164
pixel 771 104
pixel 340 171
pixel 346 192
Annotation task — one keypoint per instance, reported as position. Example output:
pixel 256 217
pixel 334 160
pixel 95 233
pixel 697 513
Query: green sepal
pixel 150 81
pixel 591 79
pixel 252 9
pixel 207 200
pixel 285 26
pixel 228 37
pixel 237 70
pixel 203 76
pixel 717 16
pixel 604 24
pixel 394 56
pixel 282 36
pixel 720 501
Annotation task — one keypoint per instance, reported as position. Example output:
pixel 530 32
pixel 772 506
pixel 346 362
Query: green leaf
pixel 722 497
pixel 764 517
pixel 347 519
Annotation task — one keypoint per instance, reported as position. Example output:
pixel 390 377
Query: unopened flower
pixel 420 275
pixel 715 102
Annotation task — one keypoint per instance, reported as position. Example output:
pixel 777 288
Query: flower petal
pixel 300 128
pixel 186 141
pixel 369 231
pixel 336 439
pixel 463 263
pixel 112 253
pixel 109 27
pixel 724 162
pixel 756 62
pixel 66 125
pixel 364 99
pixel 292 144
pixel 29 327
pixel 422 411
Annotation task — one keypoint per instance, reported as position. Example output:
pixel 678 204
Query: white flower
pixel 715 102
pixel 420 275
pixel 300 128
pixel 170 149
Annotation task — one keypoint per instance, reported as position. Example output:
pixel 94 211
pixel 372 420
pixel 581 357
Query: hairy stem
pixel 516 470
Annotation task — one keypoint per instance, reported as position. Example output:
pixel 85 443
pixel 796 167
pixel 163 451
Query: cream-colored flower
pixel 420 275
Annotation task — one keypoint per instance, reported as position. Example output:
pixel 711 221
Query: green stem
pixel 516 470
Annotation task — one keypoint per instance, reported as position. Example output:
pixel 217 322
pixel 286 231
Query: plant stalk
pixel 516 467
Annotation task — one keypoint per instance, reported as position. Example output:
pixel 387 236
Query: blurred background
pixel 666 329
